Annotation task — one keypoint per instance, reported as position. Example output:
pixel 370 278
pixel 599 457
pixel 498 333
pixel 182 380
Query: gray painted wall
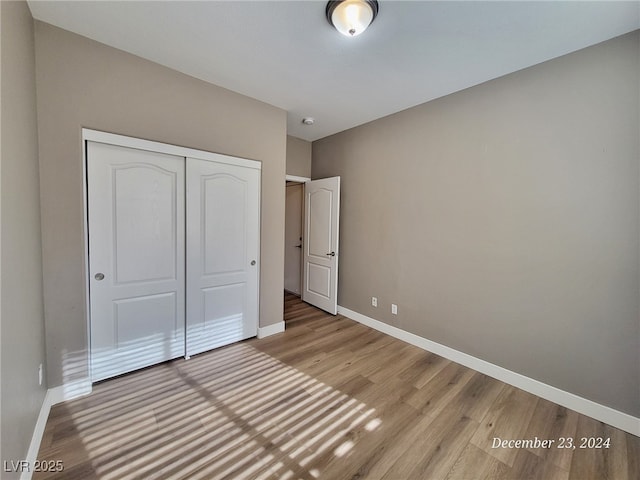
pixel 82 83
pixel 504 221
pixel 22 330
pixel 298 157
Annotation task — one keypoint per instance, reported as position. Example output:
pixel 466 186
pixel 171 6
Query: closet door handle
pixel 253 262
pixel 99 276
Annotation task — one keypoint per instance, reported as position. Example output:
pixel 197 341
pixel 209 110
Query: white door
pixel 136 258
pixel 293 238
pixel 320 258
pixel 223 220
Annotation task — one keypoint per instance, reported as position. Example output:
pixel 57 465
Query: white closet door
pixel 136 258
pixel 223 220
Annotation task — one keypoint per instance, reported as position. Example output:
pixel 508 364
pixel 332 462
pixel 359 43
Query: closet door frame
pixel 148 145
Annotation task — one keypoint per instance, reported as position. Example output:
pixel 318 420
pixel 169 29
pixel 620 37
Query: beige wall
pixel 298 157
pixel 22 330
pixel 82 83
pixel 504 221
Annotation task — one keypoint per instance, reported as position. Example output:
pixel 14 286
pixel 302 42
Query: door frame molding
pixel 295 183
pixel 152 146
pixel 89 135
pixel 295 178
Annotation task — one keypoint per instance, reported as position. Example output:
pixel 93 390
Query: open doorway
pixel 293 226
pixel 312 213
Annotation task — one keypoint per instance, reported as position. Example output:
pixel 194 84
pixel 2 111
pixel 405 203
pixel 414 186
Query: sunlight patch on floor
pixel 235 412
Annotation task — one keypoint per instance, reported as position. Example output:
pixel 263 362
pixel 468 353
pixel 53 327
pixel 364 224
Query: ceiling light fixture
pixel 308 120
pixel 351 17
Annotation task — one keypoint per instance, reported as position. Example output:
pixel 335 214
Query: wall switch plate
pixel 374 301
pixel 394 308
pixel 40 375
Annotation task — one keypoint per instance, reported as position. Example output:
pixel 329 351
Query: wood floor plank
pixel 437 451
pixel 529 466
pixel 444 386
pixel 395 364
pixel 508 419
pixel 361 445
pixel 389 452
pixel 600 463
pixel 477 396
pixel 439 460
pixel 551 421
pixel 329 399
pixel 476 464
pixel 633 456
pixel 426 366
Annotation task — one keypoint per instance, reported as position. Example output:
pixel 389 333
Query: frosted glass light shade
pixel 351 17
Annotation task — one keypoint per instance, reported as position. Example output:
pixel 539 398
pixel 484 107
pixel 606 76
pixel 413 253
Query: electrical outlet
pixel 394 308
pixel 374 301
pixel 40 375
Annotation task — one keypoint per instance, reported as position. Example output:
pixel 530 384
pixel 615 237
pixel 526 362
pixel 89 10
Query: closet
pixel 173 251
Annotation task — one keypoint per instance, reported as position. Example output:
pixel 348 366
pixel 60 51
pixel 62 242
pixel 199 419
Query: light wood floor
pixel 328 399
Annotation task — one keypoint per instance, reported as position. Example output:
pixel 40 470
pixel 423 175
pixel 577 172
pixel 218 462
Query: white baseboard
pixel 38 432
pixel 70 391
pixel 53 396
pixel 605 414
pixel 271 329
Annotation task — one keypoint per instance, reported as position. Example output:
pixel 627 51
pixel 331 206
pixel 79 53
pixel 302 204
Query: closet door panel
pixel 136 258
pixel 224 219
pixel 222 254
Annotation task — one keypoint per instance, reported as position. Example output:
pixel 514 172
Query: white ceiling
pixel 286 54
